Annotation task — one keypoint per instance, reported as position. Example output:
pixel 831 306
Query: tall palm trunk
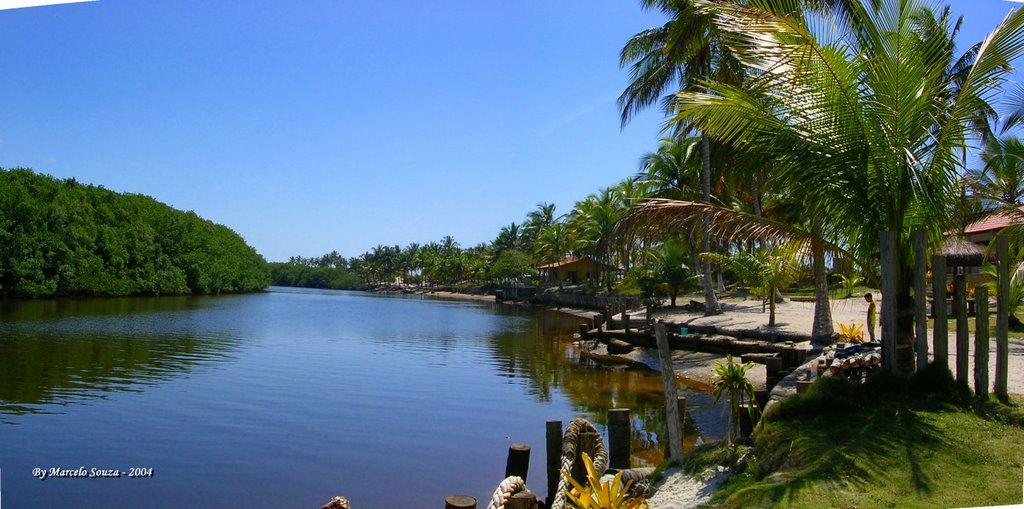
pixel 711 305
pixel 822 329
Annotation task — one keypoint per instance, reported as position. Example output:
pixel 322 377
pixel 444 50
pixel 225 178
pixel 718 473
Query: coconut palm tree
pixel 552 245
pixel 510 237
pixel 1002 177
pixel 868 110
pixel 673 171
pixel 537 220
pixel 679 55
pixel 593 223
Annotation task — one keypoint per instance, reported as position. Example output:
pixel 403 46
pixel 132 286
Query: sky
pixel 316 125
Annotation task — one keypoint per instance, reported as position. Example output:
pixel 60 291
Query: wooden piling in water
pixel 587 442
pixel 940 328
pixel 522 500
pixel 1002 317
pixel 981 341
pixel 920 299
pixel 518 462
pixel 459 502
pixel 553 442
pixel 584 331
pixel 618 438
pixel 962 341
pixel 668 378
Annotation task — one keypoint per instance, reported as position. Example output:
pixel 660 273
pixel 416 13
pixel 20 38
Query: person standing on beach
pixel 872 316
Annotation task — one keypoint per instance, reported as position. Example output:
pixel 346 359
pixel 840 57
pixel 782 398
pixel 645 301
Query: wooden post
pixel 890 272
pixel 772 367
pixel 668 378
pixel 803 385
pixel 584 332
pixel 762 398
pixel 940 330
pixel 1002 317
pixel 962 342
pixel 522 500
pixel 553 435
pixel 981 341
pixel 518 462
pixel 459 502
pixel 920 299
pixel 586 443
pixel 625 323
pixel 618 438
pixel 746 423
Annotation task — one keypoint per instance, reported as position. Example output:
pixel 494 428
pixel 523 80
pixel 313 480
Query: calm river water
pixel 286 398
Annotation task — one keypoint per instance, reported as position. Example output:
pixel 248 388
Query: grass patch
pixel 892 442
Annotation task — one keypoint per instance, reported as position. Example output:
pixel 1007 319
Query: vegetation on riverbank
pixel 302 274
pixel 61 237
pixel 922 441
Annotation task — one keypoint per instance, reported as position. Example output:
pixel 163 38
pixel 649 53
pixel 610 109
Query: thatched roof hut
pixel 960 252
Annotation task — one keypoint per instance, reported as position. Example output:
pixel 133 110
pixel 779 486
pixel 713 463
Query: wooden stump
pixel 746 423
pixel 553 439
pixel 459 502
pixel 619 427
pixel 522 500
pixel 518 462
pixel 586 443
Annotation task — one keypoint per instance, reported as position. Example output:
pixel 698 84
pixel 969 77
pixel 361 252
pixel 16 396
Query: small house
pixel 573 270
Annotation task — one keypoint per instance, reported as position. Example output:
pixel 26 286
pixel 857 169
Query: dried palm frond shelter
pixel 960 252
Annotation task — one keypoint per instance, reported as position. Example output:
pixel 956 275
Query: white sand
pixel 682 491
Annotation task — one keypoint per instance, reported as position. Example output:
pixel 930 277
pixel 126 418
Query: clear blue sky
pixel 309 126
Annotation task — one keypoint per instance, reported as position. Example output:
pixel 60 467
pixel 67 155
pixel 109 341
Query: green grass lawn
pixel 891 443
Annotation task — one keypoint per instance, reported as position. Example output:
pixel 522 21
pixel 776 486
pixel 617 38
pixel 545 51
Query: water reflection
pixel 58 352
pixel 539 354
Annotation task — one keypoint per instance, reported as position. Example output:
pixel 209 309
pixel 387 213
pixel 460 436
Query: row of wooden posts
pixel 940 333
pixel 619 452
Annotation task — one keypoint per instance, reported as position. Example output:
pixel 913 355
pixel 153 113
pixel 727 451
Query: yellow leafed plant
pixel 598 495
pixel 853 333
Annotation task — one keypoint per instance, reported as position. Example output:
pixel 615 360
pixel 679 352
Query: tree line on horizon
pixel 64 238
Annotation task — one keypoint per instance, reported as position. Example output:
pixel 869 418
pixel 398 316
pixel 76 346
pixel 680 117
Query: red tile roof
pixel 567 261
pixel 993 222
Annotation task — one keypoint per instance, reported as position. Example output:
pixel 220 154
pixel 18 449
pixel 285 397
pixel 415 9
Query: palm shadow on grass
pixel 847 439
